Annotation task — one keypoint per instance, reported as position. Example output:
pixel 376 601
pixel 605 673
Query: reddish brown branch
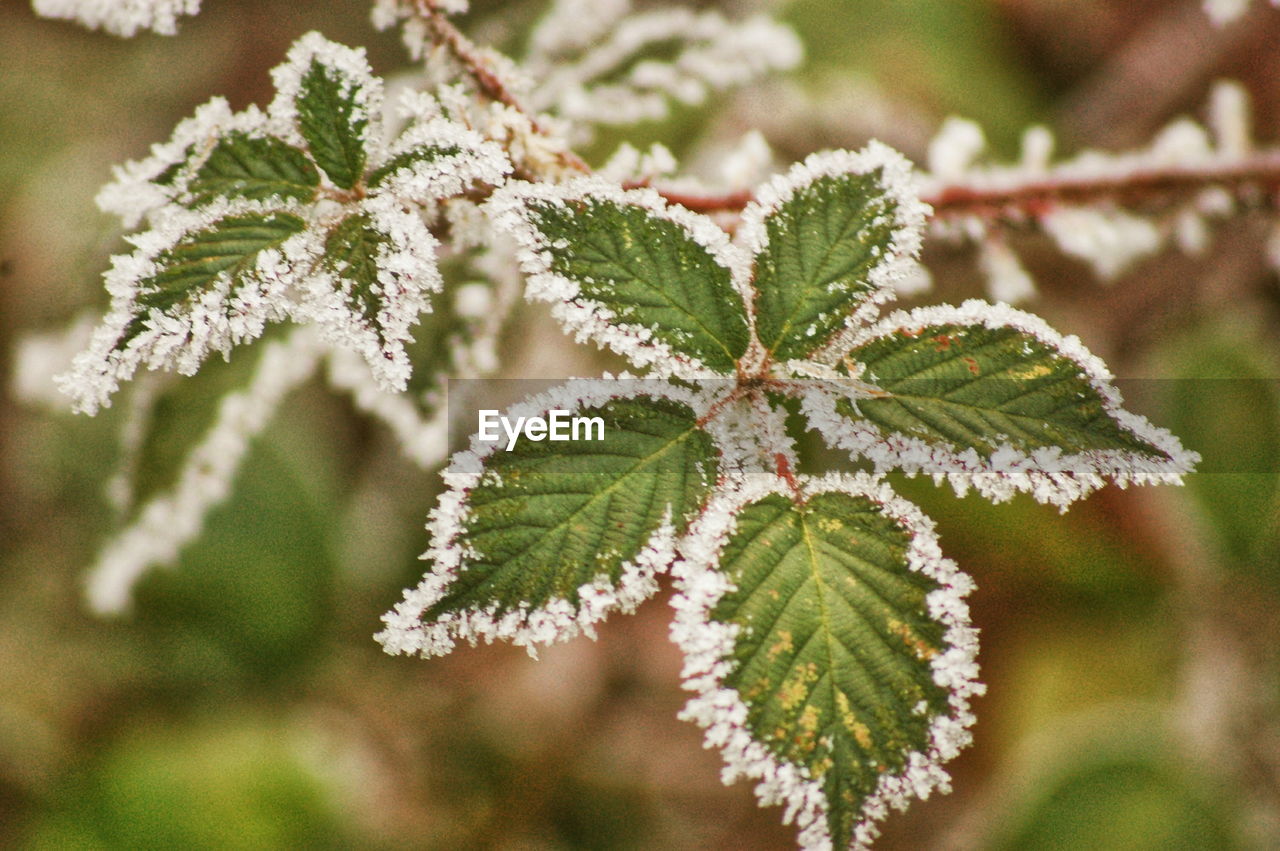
pixel 1259 173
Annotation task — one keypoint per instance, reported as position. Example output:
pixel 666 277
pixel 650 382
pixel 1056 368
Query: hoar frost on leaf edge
pixel 477 160
pixel 587 319
pixel 895 264
pixel 708 647
pixel 352 66
pixel 406 632
pixel 133 193
pixel 407 272
pixel 1048 474
pixel 215 323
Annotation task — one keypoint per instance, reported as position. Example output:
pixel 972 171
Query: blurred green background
pixel 1130 646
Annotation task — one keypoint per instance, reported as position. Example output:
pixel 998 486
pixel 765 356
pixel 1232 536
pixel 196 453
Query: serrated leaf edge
pixel 176 341
pixel 899 258
pixel 477 160
pixel 405 630
pixel 708 650
pixel 133 195
pixel 352 65
pixel 407 274
pixel 1049 474
pixel 590 320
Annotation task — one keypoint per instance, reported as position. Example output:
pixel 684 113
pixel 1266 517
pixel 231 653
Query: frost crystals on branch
pixel 297 213
pixel 1109 210
pixel 826 638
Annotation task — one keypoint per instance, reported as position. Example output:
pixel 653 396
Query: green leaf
pixel 831 244
pixel 351 252
pixel 970 386
pixel 410 158
pixel 546 520
pixel 333 123
pixel 991 397
pixel 639 265
pixel 254 167
pixel 836 648
pixel 230 246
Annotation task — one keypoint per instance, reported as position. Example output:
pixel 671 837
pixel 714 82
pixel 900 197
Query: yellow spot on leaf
pixel 795 689
pixel 1037 371
pixel 783 644
pixel 922 649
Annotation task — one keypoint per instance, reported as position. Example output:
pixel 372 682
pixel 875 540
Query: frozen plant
pixel 826 638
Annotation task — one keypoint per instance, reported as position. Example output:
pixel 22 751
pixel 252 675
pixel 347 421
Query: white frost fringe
pixel 1048 474
pixel 590 320
pixel 527 627
pixel 708 649
pixel 896 260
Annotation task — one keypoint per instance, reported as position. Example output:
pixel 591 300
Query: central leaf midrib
pixel 795 309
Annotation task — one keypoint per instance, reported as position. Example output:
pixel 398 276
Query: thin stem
pixel 1259 172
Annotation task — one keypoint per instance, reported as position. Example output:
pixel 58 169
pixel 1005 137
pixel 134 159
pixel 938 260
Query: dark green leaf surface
pixel 258 168
pixel 970 386
pixel 332 123
pixel 410 158
pixel 834 651
pixel 351 252
pixel 647 271
pixel 549 517
pixel 230 246
pixel 822 245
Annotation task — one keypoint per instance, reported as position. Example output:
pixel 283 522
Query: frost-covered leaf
pixel 204 281
pixel 331 92
pixel 537 542
pixel 371 285
pixel 216 256
pixel 655 283
pixel 255 167
pixel 436 158
pixel 990 397
pixel 829 645
pixel 409 159
pixel 351 252
pixel 830 238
